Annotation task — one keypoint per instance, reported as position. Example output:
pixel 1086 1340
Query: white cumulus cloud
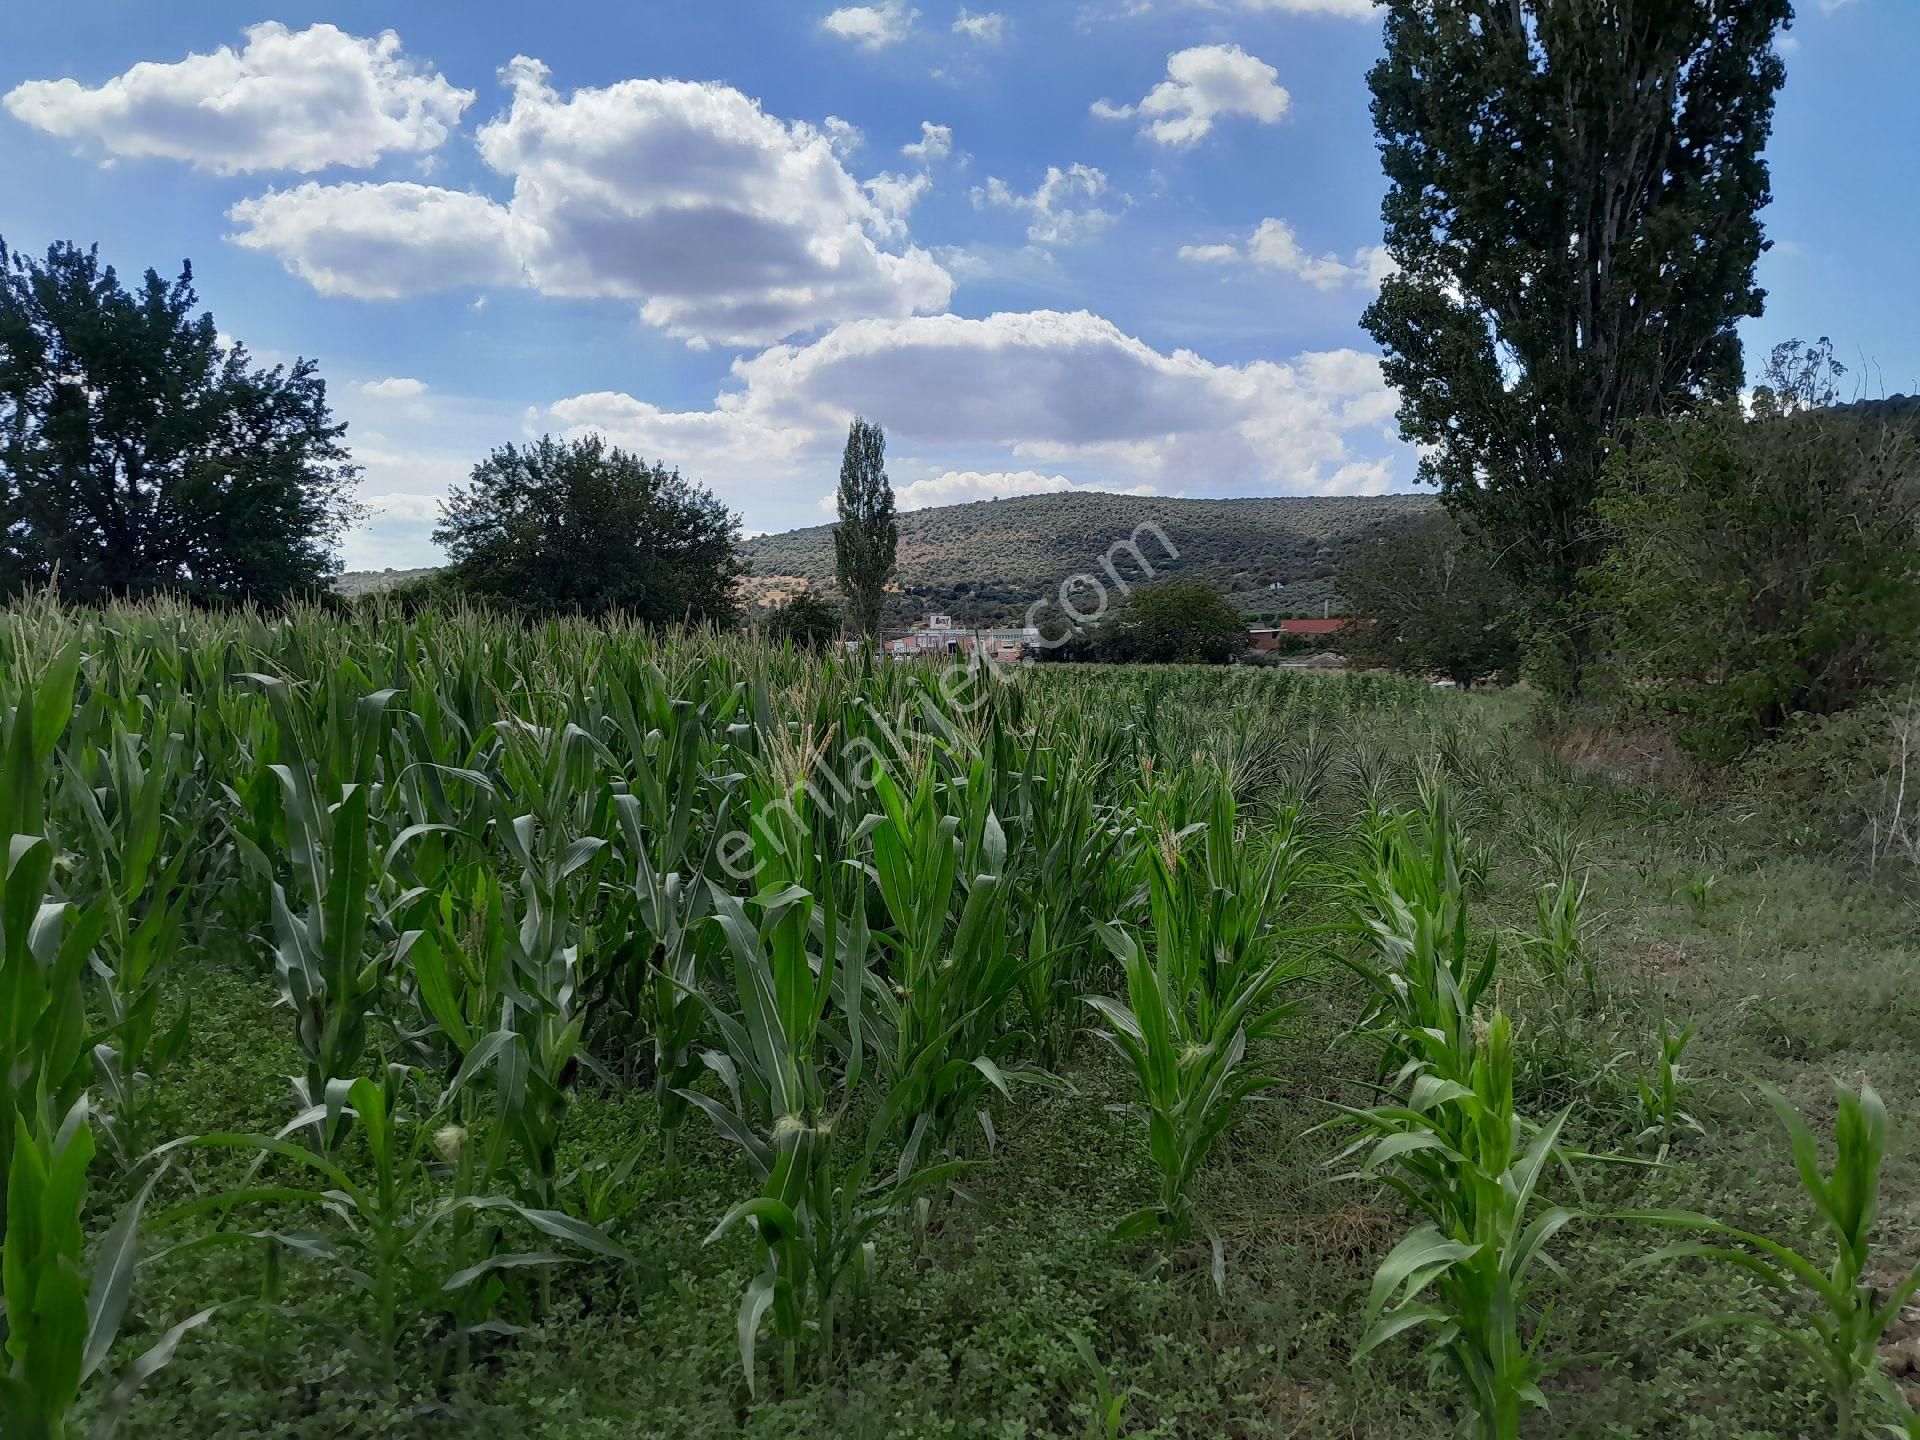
pixel 843 135
pixel 1339 9
pixel 289 100
pixel 1011 393
pixel 935 143
pixel 871 27
pixel 394 387
pixel 1275 246
pixel 987 28
pixel 1203 84
pixel 723 223
pixel 1063 209
pixel 382 241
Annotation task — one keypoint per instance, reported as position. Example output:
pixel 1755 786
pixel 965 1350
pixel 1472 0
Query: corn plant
pixel 321 939
pixel 60 1329
pixel 668 907
pixel 1194 1005
pixel 939 1028
pixel 1558 945
pixel 1107 1411
pixel 1424 976
pixel 1063 860
pixel 45 942
pixel 1841 1339
pixel 140 882
pixel 823 1193
pixel 1662 1094
pixel 1464 1161
pixel 397 1238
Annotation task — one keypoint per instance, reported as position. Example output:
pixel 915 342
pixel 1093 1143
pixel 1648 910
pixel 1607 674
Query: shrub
pixel 1761 567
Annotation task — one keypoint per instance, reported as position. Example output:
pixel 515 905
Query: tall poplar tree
pixel 866 539
pixel 1573 208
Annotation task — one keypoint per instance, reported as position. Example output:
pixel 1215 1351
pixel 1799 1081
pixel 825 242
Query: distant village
pixel 937 634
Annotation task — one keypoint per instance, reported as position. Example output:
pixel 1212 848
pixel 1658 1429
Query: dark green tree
pixel 866 540
pixel 141 453
pixel 580 526
pixel 1171 622
pixel 1427 599
pixel 1573 203
pixel 806 621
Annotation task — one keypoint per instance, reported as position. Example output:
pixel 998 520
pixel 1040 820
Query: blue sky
pixel 1120 244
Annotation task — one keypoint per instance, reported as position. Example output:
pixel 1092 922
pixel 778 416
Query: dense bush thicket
pixel 1429 600
pixel 1760 568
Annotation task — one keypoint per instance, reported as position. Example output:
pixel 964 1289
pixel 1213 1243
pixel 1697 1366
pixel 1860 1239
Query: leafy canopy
pixel 580 526
pixel 1173 622
pixel 1573 209
pixel 140 452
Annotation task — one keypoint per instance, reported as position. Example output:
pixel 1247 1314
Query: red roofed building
pixel 1264 639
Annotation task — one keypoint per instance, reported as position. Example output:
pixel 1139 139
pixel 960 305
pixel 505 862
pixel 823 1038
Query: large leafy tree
pixel 807 621
pixel 581 526
pixel 1573 210
pixel 1428 600
pixel 1171 622
pixel 866 539
pixel 140 452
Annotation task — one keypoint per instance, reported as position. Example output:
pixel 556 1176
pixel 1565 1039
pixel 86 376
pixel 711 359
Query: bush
pixel 1761 567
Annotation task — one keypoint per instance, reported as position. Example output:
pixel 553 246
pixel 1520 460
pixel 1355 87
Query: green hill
pixel 986 562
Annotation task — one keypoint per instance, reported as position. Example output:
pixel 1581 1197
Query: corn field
pixel 818 931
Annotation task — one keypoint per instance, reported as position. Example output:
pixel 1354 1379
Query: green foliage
pixel 806 622
pixel 558 527
pixel 562 883
pixel 1470 1166
pixel 142 453
pixel 1842 1337
pixel 59 1329
pixel 1455 1148
pixel 1663 1093
pixel 1761 568
pixel 1431 602
pixel 866 540
pixel 415 1252
pixel 1172 622
pixel 45 942
pixel 1573 204
pixel 1206 991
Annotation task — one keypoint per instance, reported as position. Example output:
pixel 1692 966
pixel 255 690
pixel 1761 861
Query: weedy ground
pixel 1793 967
